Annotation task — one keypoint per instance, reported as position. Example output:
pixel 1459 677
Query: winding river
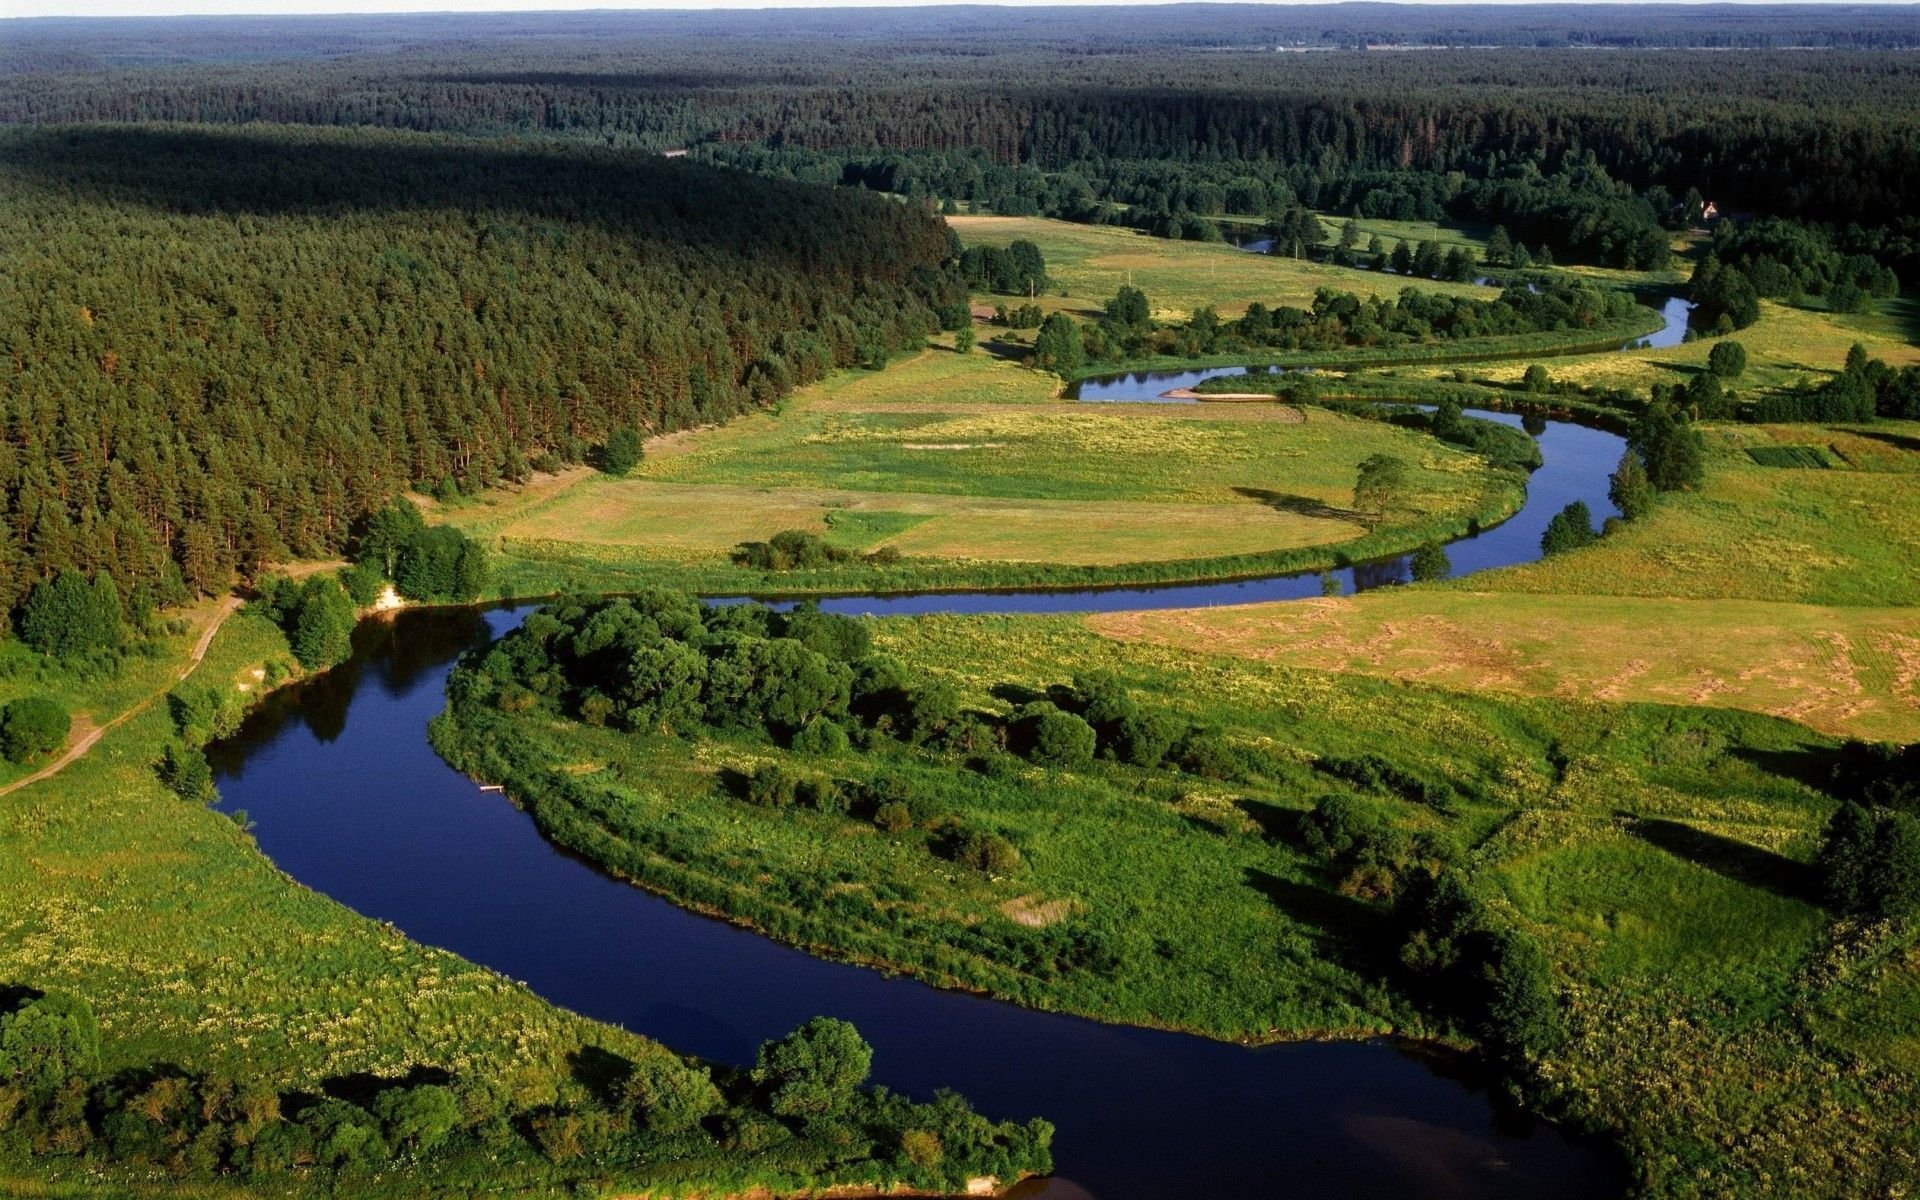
pixel 349 799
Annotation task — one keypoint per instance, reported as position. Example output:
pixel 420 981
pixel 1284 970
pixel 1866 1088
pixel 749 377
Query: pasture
pixel 1089 263
pixel 955 457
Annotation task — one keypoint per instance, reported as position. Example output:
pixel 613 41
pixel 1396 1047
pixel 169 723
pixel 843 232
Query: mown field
pixel 1089 263
pixel 963 459
pixel 1786 590
pixel 1657 854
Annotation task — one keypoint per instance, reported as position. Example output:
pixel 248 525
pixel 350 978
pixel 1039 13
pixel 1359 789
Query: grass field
pixel 1848 536
pixel 964 459
pixel 1853 671
pixel 1786 590
pixel 1092 262
pixel 1656 853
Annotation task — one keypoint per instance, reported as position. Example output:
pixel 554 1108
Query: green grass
pixel 1832 537
pixel 1804 457
pixel 1657 854
pixel 196 951
pixel 963 466
pixel 1089 263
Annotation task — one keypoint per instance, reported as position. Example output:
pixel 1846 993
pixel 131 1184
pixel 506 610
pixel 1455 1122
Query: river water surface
pixel 349 799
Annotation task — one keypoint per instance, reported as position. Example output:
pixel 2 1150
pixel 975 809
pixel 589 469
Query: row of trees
pixel 810 1084
pixel 1337 320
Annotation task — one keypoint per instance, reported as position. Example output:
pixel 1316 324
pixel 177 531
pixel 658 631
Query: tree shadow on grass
pixel 1304 506
pixel 600 1071
pixel 1812 766
pixel 1276 824
pixel 1357 933
pixel 1899 441
pixel 363 1087
pixel 1735 860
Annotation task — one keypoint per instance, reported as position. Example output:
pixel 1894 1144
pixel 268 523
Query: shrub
pixel 417 1118
pixel 928 711
pixel 893 817
pixel 986 852
pixel 772 786
pixel 1143 739
pixel 623 451
pixel 67 617
pixel 821 737
pixel 1727 359
pixel 813 1071
pixel 668 1096
pixel 1430 563
pixel 1570 529
pixel 1054 738
pixel 32 726
pixel 185 770
pixel 789 550
pixel 820 793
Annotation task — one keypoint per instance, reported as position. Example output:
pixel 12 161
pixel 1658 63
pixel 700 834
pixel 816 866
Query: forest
pixel 223 349
pixel 1783 131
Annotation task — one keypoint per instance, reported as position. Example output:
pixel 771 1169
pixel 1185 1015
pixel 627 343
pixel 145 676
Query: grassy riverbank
pixel 198 955
pixel 968 471
pixel 1656 854
pixel 1787 590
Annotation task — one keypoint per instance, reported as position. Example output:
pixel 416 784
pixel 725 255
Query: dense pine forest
pixel 227 348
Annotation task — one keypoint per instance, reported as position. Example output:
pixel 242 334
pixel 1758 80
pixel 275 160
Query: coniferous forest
pixel 348 314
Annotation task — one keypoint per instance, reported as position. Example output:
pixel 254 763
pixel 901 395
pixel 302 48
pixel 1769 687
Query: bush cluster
pixel 429 563
pixel 799 550
pixel 805 1088
pixel 1870 856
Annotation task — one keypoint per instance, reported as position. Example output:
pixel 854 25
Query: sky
pixel 158 8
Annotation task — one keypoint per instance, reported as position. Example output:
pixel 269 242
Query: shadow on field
pixel 1899 441
pixel 1305 506
pixel 1733 859
pixel 1276 824
pixel 1342 918
pixel 1809 765
pixel 364 1087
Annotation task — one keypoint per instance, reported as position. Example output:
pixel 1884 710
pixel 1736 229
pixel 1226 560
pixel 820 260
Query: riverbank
pixel 1027 494
pixel 196 952
pixel 1071 848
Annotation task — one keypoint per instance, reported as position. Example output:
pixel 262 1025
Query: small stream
pixel 349 799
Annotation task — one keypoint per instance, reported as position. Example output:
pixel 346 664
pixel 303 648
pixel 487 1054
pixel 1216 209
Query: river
pixel 349 799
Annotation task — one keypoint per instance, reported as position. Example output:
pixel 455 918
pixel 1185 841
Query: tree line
pixel 805 1101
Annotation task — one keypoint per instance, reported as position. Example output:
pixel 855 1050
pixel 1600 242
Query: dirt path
pixel 73 753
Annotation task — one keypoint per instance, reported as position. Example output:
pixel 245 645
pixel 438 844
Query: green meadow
pixel 1658 854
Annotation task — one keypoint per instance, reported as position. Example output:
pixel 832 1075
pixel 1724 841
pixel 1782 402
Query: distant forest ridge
pixel 84 43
